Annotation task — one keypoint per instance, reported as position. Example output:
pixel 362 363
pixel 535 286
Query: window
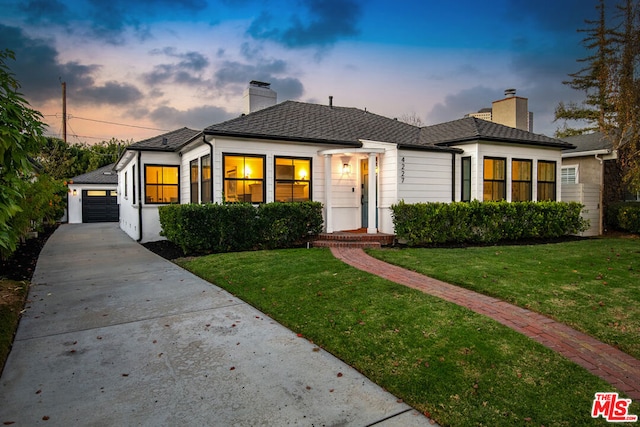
pixel 569 175
pixel 193 180
pixel 466 179
pixel 126 185
pixel 205 178
pixel 495 178
pixel 293 179
pixel 161 184
pixel 520 180
pixel 243 178
pixel 133 183
pixel 546 180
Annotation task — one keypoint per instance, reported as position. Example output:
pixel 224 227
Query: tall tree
pixel 594 79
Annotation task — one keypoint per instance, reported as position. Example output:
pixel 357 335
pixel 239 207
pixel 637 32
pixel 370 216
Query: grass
pixel 458 367
pixel 592 285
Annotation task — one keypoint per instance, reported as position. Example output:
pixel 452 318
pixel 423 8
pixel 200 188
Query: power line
pixel 117 124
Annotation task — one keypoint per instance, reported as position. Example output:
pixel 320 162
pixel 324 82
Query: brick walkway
pixel 612 365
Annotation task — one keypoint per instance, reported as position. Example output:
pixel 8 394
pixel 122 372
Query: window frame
pixel 205 184
pixel 133 183
pixel 465 166
pixel 126 185
pixel 566 168
pixel 553 183
pixel 146 184
pixel 194 185
pixel 243 180
pixel 292 181
pixel 521 181
pixel 498 181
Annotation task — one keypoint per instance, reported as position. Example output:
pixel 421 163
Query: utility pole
pixel 64 111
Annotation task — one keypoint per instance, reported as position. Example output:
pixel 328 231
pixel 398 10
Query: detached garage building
pixel 93 197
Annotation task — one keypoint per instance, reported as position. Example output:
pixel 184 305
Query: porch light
pixel 75 192
pixel 346 166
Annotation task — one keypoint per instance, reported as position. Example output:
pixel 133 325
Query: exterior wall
pixel 130 207
pixel 387 188
pixel 512 112
pixel 589 196
pixel 480 150
pixel 74 207
pixel 424 176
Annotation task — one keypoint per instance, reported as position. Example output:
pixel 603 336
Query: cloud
pixel 466 101
pixel 45 11
pixel 37 67
pixel 112 93
pixel 326 22
pixel 194 118
pixel 186 71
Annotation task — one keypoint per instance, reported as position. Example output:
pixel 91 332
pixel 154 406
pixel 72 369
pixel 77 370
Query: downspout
pixel 139 198
pixel 453 177
pixel 204 139
pixel 601 197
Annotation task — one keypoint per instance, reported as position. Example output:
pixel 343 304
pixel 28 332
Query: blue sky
pixel 162 64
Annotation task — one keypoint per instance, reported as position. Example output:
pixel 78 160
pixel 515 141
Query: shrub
pixel 423 224
pixel 624 216
pixel 239 226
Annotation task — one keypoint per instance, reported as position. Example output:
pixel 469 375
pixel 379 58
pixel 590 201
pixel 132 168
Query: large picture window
pixel 495 178
pixel 546 180
pixel 243 178
pixel 521 180
pixel 292 179
pixel 205 180
pixel 193 180
pixel 161 184
pixel 466 179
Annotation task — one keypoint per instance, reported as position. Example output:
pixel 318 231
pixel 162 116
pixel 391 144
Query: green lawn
pixel 460 368
pixel 592 285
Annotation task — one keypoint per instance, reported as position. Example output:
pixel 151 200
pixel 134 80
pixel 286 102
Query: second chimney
pixel 258 96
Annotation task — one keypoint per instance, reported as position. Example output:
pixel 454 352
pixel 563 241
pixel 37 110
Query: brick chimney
pixel 258 96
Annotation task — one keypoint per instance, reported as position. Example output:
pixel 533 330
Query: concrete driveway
pixel 116 335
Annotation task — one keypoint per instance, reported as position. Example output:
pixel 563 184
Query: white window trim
pixel 576 167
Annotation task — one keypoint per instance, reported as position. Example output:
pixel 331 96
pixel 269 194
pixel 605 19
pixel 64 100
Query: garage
pixel 93 197
pixel 100 206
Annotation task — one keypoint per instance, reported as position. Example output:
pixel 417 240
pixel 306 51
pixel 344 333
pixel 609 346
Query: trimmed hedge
pixel 624 216
pixel 424 224
pixel 240 226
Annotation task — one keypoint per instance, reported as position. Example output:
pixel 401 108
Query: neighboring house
pixel 356 163
pixel 590 175
pixel 93 197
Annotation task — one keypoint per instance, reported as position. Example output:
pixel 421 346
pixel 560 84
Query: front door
pixel 364 197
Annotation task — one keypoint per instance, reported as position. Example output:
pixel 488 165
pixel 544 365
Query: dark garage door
pixel 100 206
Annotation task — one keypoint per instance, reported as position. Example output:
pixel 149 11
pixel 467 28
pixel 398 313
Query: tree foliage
pixel 610 80
pixel 28 196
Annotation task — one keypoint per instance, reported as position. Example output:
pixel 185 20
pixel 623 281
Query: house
pixel 591 175
pixel 356 163
pixel 92 196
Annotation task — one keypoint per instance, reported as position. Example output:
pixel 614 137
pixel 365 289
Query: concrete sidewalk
pixel 115 335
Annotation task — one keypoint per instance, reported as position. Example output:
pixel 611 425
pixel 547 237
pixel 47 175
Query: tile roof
pixel 103 175
pixel 174 140
pixel 298 121
pixel 588 142
pixel 471 129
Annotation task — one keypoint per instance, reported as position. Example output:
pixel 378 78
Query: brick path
pixel 612 365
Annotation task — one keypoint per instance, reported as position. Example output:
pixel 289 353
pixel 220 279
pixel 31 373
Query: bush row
pixel 239 227
pixel 624 216
pixel 424 224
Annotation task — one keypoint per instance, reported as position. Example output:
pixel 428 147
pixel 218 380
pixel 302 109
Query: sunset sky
pixel 135 69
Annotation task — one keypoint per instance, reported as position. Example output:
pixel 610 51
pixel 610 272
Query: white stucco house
pixel 92 196
pixel 356 163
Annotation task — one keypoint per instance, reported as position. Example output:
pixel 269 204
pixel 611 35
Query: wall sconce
pixel 75 192
pixel 346 166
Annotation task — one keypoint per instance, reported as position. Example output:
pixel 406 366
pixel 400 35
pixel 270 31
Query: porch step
pixel 355 239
